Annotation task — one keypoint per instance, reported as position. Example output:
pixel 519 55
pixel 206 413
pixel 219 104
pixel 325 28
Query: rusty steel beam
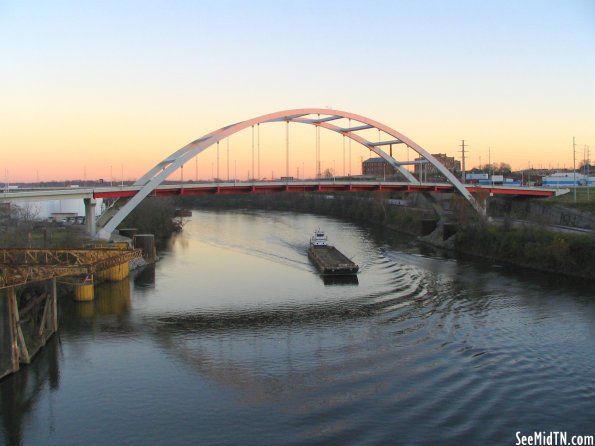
pixel 21 265
pixel 58 256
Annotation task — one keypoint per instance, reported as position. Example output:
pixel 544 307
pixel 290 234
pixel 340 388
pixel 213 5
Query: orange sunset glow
pixel 110 90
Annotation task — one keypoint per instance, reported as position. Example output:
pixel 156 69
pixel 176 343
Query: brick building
pixel 378 167
pixel 430 172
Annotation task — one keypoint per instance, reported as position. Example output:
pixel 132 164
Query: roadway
pixel 227 188
pixel 517 223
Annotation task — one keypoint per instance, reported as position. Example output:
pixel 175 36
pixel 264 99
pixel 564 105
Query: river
pixel 232 338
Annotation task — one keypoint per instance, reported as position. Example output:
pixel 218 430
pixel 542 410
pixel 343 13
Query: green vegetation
pixel 21 228
pixel 530 247
pixel 153 216
pixel 585 199
pixel 360 207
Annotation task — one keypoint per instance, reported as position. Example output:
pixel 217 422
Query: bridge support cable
pixel 350 129
pixel 253 173
pixel 343 141
pixel 287 149
pixel 167 166
pixel 318 172
pixel 217 179
pixel 227 143
pixel 258 148
pixel 364 143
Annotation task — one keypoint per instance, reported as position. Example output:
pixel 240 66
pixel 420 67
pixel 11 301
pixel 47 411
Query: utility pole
pixel 491 169
pixel 574 165
pixel 463 160
pixel 588 165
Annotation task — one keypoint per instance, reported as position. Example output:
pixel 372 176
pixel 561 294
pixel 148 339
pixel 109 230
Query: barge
pixel 328 259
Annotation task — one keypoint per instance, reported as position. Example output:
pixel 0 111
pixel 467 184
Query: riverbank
pixel 154 216
pixel 531 247
pixel 368 208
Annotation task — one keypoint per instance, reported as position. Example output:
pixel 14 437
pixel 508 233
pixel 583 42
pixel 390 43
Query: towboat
pixel 328 259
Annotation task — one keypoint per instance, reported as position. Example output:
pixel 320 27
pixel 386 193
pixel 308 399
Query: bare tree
pixel 27 212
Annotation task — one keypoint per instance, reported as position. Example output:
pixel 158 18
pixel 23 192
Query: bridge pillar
pixel 9 348
pixel 90 215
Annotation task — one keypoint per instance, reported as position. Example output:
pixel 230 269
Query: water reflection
pixel 110 308
pixel 340 280
pixel 20 392
pixel 145 278
pixel 234 323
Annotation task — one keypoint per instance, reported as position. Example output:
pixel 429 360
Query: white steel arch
pixel 323 118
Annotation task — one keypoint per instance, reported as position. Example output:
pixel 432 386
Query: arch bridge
pixel 321 118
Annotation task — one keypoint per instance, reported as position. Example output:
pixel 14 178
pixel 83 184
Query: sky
pixel 107 89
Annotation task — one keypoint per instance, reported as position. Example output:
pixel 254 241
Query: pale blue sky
pixel 126 76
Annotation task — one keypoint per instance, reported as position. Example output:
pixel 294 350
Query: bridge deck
pixel 227 188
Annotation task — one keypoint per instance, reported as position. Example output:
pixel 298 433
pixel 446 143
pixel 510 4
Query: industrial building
pixel 428 171
pixel 378 168
pixel 568 179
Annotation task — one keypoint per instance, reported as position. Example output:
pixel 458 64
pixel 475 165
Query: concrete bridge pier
pixel 90 216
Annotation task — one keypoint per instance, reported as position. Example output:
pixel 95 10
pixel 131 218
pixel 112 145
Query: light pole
pixel 522 177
